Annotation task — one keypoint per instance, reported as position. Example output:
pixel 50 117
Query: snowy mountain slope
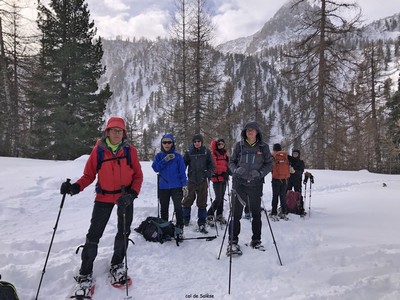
pixel 348 248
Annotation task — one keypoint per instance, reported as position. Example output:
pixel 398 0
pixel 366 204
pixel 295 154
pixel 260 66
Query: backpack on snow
pixel 7 291
pixel 155 229
pixel 281 165
pixel 294 203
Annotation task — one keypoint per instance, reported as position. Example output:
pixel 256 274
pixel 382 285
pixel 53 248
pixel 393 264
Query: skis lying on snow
pixel 81 293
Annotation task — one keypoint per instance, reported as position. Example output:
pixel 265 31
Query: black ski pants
pixel 218 203
pixel 165 195
pixel 100 217
pixel 279 189
pixel 251 196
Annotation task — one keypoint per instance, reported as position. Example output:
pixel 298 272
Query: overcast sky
pixel 232 18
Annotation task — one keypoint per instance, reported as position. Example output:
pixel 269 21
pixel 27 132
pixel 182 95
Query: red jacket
pixel 113 174
pixel 220 162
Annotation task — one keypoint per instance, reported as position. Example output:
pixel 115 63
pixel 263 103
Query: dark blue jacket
pixel 172 173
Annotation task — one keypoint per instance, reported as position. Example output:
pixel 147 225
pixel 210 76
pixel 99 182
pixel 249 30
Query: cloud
pixel 238 18
pixel 150 24
pixel 117 5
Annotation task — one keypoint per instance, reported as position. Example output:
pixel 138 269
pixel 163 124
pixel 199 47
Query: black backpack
pixel 7 291
pixel 155 229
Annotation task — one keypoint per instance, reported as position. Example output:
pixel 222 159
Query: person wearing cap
pixel 298 166
pixel 251 161
pixel 119 180
pixel 200 168
pixel 172 181
pixel 219 180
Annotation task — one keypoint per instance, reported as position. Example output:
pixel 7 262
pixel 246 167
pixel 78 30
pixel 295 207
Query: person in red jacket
pixel 119 180
pixel 219 179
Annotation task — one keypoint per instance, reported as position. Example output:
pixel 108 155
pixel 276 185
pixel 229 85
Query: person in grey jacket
pixel 251 161
pixel 201 167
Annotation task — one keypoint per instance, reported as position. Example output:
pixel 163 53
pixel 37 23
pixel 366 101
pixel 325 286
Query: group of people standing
pixel 182 178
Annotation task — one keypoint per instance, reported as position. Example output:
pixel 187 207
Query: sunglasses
pixel 167 142
pixel 197 141
pixel 116 130
pixel 221 144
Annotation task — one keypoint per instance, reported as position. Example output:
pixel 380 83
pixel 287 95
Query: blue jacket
pixel 172 174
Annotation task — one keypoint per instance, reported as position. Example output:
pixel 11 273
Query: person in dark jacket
pixel 172 180
pixel 201 167
pixel 118 182
pixel 219 180
pixel 251 161
pixel 295 178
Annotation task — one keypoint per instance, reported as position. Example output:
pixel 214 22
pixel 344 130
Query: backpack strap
pixel 101 160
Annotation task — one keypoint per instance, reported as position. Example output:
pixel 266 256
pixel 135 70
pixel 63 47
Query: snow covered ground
pixel 348 248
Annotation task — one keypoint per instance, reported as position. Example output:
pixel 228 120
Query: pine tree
pixel 69 104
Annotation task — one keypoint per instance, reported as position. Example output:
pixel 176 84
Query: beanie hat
pixel 197 137
pixel 220 140
pixel 277 147
pixel 296 151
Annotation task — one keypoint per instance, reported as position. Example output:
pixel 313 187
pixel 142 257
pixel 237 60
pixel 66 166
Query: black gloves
pixel 68 188
pixel 126 199
pixel 239 172
pixel 208 174
pixel 225 176
pixel 254 174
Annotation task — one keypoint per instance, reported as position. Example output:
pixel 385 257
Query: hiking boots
pixel 118 274
pixel 221 220
pixel 274 217
pixel 256 244
pixel 178 233
pixel 84 286
pixel 210 221
pixel 283 216
pixel 233 249
pixel 247 216
pixel 202 229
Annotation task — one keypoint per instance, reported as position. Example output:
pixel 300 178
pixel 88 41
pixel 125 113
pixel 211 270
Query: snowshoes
pixel 118 276
pixel 233 249
pixel 84 287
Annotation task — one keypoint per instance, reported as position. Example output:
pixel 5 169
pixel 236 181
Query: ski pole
pixel 212 206
pixel 230 224
pixel 272 234
pixel 309 201
pixel 123 189
pixel 223 238
pixel 207 238
pixel 51 242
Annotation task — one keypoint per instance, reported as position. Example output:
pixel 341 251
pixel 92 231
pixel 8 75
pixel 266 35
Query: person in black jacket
pixel 250 162
pixel 201 168
pixel 298 166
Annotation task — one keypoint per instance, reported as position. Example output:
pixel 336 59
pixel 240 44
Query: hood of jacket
pixel 252 125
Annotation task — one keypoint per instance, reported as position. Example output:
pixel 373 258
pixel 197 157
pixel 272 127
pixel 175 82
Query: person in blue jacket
pixel 172 181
